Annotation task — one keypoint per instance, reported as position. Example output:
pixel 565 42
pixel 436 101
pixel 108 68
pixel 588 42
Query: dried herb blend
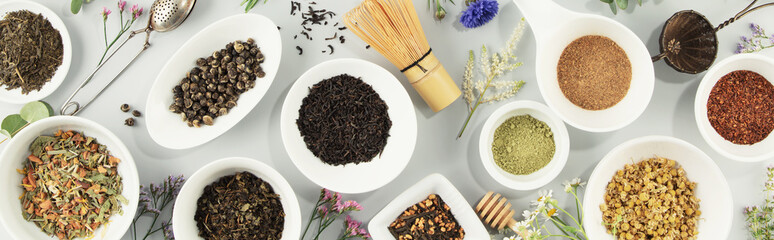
pixel 30 51
pixel 653 199
pixel 594 73
pixel 523 145
pixel 343 120
pixel 71 185
pixel 213 87
pixel 741 107
pixel 429 219
pixel 240 206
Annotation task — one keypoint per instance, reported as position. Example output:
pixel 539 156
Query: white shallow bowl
pixel 716 205
pixel 183 223
pixel 167 128
pixel 760 151
pixel 538 178
pixel 553 34
pixel 433 183
pixel 15 96
pixel 16 152
pixel 384 167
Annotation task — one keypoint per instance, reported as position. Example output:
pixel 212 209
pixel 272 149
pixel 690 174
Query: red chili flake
pixel 741 107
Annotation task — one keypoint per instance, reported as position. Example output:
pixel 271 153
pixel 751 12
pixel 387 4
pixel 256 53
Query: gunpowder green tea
pixel 522 145
pixel 31 50
pixel 240 206
pixel 70 184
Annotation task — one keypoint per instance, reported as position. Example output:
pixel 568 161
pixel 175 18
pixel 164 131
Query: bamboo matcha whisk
pixel 392 28
pixel 494 213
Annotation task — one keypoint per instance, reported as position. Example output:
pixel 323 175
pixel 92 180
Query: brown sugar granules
pixel 741 107
pixel 429 219
pixel 594 73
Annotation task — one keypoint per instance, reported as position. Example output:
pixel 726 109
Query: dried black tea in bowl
pixel 240 206
pixel 31 50
pixel 343 120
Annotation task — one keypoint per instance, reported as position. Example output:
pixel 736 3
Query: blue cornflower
pixel 479 13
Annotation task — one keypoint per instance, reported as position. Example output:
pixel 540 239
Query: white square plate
pixel 433 183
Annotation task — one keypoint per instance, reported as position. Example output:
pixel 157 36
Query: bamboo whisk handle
pixel 496 211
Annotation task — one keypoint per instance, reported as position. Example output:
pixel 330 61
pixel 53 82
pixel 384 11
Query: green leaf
pixel 4 132
pixel 639 2
pixel 12 123
pixel 623 4
pixel 75 6
pixel 606 1
pixel 35 111
pixel 613 8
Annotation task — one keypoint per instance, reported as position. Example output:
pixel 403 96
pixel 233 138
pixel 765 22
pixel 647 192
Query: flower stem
pixel 311 216
pixel 478 102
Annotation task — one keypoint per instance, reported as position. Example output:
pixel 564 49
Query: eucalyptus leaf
pixel 606 1
pixel 639 2
pixel 623 4
pixel 50 109
pixel 75 6
pixel 13 123
pixel 613 7
pixel 34 111
pixel 4 132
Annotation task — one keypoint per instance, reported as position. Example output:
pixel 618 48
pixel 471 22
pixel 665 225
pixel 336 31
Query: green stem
pixel 104 31
pixel 578 206
pixel 311 217
pixel 478 102
pixel 568 214
pixel 558 222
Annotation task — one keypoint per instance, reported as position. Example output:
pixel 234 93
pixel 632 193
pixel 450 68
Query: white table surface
pixel 258 136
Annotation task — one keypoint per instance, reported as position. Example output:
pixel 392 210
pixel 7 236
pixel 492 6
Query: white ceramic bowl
pixel 538 178
pixel 760 151
pixel 433 183
pixel 553 34
pixel 380 170
pixel 167 128
pixel 717 208
pixel 15 96
pixel 16 152
pixel 183 223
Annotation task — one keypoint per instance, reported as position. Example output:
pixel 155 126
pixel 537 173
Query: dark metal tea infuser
pixel 689 42
pixel 165 15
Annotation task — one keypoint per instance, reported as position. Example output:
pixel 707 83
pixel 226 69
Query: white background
pixel 258 136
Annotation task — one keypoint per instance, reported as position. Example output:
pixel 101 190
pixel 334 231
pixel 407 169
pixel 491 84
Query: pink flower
pixel 347 206
pixel 322 210
pixel 105 13
pixel 354 230
pixel 136 11
pixel 121 5
pixel 326 194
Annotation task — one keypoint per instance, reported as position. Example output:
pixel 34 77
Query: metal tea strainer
pixel 689 42
pixel 165 15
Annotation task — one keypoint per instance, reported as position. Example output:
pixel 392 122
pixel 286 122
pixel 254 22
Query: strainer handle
pixel 741 14
pixel 71 107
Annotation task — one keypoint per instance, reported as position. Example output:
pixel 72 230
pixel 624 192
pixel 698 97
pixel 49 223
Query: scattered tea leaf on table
pixel 35 111
pixel 13 123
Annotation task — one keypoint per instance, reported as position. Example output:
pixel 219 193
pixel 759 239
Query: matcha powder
pixel 522 145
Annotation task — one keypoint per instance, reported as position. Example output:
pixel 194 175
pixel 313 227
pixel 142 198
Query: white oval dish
pixel 760 151
pixel 167 128
pixel 717 209
pixel 183 222
pixel 433 183
pixel 15 96
pixel 383 168
pixel 538 178
pixel 553 34
pixel 13 156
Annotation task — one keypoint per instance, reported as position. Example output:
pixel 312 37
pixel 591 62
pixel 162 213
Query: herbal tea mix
pixel 212 88
pixel 523 145
pixel 594 73
pixel 741 107
pixel 429 219
pixel 71 185
pixel 343 120
pixel 240 206
pixel 31 50
pixel 651 199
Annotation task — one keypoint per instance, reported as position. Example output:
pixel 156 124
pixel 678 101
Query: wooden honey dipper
pixel 494 213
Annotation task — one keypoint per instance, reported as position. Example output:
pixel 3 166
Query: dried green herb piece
pixel 71 185
pixel 30 51
pixel 240 206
